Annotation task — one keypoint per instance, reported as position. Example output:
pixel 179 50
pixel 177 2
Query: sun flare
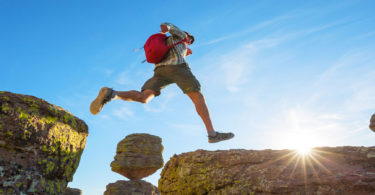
pixel 301 143
pixel 303 150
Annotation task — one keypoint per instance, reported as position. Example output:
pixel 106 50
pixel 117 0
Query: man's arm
pixel 174 30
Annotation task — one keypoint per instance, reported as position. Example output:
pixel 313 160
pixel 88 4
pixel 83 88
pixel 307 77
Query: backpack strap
pixel 183 40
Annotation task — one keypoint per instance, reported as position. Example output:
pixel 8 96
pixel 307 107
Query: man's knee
pixel 147 96
pixel 145 100
pixel 197 97
pixel 195 94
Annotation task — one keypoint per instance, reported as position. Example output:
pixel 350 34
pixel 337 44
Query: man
pixel 171 69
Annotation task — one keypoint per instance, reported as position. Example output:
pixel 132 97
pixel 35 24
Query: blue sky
pixel 279 74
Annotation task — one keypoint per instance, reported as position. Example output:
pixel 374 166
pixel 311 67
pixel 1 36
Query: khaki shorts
pixel 168 74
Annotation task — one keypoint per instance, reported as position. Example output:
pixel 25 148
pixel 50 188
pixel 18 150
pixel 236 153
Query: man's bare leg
pixel 107 94
pixel 202 110
pixel 136 96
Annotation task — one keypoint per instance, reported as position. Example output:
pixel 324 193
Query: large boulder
pixel 341 170
pixel 138 156
pixel 40 145
pixel 133 187
pixel 372 123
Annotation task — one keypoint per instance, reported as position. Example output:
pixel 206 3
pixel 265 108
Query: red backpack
pixel 156 47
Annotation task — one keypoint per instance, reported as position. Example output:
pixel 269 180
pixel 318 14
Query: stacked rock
pixel 137 156
pixel 132 187
pixel 372 123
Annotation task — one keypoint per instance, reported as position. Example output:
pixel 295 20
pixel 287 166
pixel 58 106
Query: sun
pixel 301 143
pixel 303 150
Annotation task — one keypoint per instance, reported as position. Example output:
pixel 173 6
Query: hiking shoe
pixel 220 137
pixel 104 96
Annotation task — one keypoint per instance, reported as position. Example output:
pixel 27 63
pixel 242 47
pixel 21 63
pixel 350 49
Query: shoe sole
pixel 96 105
pixel 215 141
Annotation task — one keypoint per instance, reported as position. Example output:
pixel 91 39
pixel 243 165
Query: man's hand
pixel 164 28
pixel 189 52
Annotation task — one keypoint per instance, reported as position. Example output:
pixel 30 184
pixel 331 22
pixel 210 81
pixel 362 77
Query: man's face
pixel 188 39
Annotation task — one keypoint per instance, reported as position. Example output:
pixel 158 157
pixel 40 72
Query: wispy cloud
pixel 250 29
pixel 238 64
pixel 316 28
pixel 188 129
pixel 125 78
pixel 161 105
pixel 332 110
pixel 123 113
pixel 327 108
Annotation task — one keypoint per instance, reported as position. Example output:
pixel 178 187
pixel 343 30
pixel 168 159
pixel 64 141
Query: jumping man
pixel 172 69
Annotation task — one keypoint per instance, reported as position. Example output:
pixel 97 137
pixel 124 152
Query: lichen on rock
pixel 40 145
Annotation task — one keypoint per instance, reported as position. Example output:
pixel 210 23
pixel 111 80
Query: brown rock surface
pixel 138 156
pixel 340 170
pixel 40 145
pixel 133 187
pixel 372 123
pixel 72 191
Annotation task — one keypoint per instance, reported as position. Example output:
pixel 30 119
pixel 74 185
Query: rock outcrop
pixel 372 123
pixel 138 156
pixel 134 187
pixel 40 145
pixel 72 191
pixel 341 170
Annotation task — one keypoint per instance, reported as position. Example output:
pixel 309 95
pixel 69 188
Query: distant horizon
pixel 284 75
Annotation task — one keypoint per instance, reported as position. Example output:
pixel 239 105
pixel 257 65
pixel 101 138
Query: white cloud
pixel 123 112
pixel 353 77
pixel 333 110
pixel 238 64
pixel 251 29
pixel 125 78
pixel 189 129
pixel 108 72
pixel 161 105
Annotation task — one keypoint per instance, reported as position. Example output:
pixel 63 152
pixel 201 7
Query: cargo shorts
pixel 168 74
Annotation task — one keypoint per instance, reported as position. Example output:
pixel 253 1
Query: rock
pixel 72 191
pixel 133 187
pixel 372 123
pixel 40 145
pixel 341 170
pixel 138 156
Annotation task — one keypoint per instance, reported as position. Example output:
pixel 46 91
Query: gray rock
pixel 133 187
pixel 138 156
pixel 72 191
pixel 372 123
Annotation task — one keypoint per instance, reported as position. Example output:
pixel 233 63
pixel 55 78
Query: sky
pixel 278 74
